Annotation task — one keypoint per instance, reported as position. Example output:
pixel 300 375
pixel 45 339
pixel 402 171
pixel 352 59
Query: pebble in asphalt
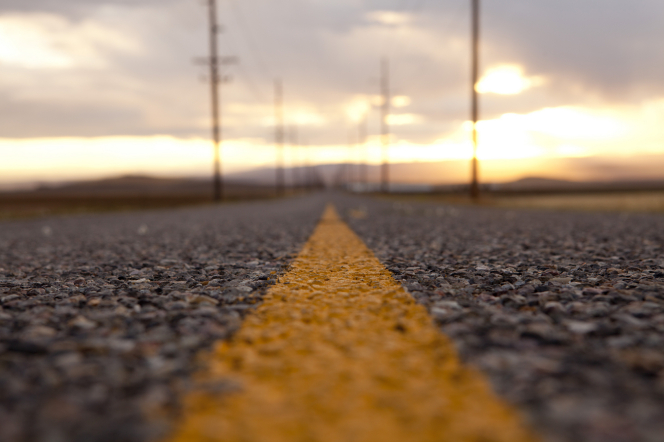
pixel 563 311
pixel 101 316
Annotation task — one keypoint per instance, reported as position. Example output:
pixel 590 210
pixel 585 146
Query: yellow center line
pixel 338 351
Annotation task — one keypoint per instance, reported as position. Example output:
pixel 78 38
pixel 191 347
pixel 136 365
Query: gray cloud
pixel 609 47
pixel 327 52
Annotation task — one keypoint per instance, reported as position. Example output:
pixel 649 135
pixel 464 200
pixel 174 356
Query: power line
pixel 247 78
pixel 251 42
pixel 251 85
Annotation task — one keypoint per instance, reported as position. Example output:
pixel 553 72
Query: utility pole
pixel 295 153
pixel 349 167
pixel 362 141
pixel 214 61
pixel 218 185
pixel 474 186
pixel 308 180
pixel 385 130
pixel 279 135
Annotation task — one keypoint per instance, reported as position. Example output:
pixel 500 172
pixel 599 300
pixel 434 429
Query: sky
pixel 93 88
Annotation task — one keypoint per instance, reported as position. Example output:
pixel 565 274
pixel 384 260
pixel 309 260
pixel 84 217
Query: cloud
pixel 401 101
pixel 388 17
pixel 506 80
pixel 123 67
pixel 403 119
pixel 50 41
pixel 608 48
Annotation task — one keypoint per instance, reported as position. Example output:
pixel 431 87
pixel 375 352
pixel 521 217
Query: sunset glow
pixel 48 41
pixel 506 80
pixel 108 88
pixel 522 144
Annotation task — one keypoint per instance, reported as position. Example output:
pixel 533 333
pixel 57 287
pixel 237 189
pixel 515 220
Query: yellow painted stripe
pixel 338 351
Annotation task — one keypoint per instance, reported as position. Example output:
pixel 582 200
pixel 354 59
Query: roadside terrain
pixel 641 201
pixel 124 193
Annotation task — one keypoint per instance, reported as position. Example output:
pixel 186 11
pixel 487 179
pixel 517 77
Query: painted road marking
pixel 338 351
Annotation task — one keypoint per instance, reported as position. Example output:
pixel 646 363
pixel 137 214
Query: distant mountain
pixel 139 186
pixel 267 176
pixel 537 184
pixel 540 182
pixel 130 184
pixel 537 175
pixel 259 181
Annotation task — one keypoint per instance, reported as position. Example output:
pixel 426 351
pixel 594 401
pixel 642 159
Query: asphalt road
pixel 563 311
pixel 101 316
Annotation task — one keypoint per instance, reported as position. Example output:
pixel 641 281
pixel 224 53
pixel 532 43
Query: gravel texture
pixel 101 316
pixel 563 311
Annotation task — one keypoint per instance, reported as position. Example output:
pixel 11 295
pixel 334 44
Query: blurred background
pixel 104 96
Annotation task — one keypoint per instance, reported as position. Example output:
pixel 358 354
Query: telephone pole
pixel 474 186
pixel 295 155
pixel 349 166
pixel 362 142
pixel 279 135
pixel 218 185
pixel 384 127
pixel 214 61
pixel 308 171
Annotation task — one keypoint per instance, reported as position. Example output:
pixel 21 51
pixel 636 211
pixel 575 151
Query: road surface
pixel 103 318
